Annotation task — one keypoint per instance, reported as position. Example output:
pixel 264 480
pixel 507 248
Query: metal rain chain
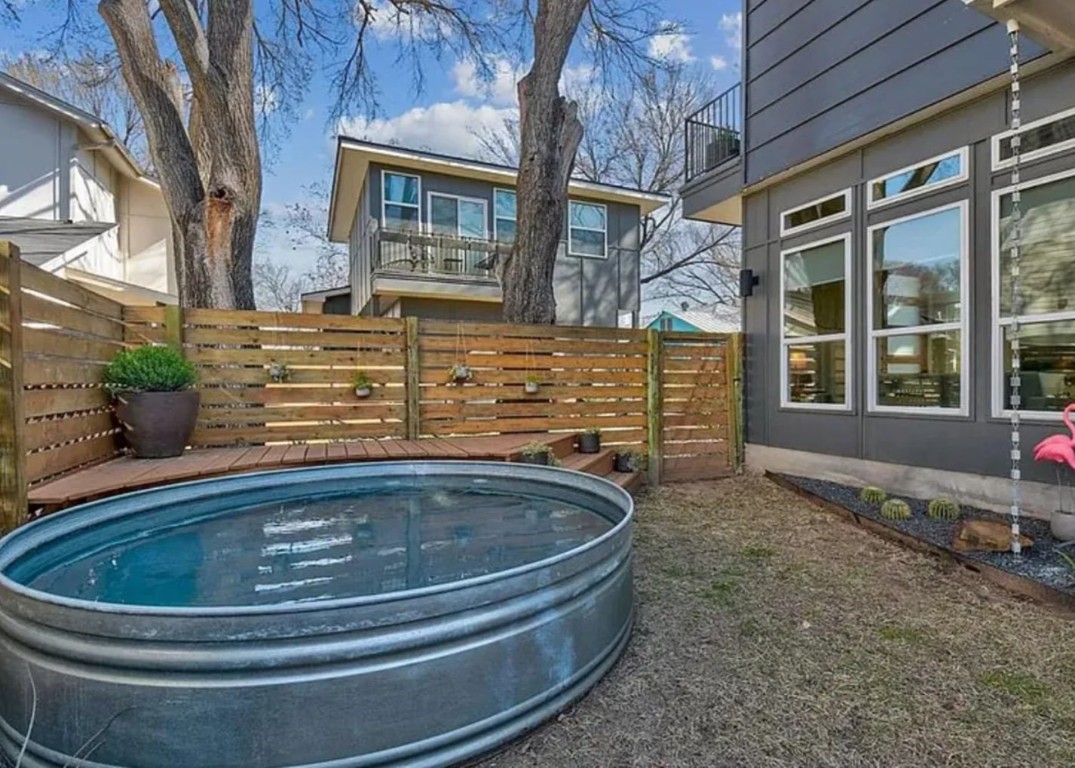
pixel 1013 264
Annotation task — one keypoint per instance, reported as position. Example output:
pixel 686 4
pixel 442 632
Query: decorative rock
pixel 986 536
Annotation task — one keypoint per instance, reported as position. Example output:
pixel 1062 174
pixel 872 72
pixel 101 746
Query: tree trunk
pixel 550 134
pixel 210 170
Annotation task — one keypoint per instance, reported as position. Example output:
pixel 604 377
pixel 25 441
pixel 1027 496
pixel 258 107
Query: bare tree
pixel 277 286
pixel 634 137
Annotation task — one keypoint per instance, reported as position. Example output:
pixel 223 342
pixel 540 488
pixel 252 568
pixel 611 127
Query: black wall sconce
pixel 747 281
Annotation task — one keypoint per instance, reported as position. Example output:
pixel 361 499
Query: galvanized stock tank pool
pixel 354 615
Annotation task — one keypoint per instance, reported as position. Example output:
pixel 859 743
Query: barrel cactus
pixel 871 494
pixel 896 509
pixel 943 509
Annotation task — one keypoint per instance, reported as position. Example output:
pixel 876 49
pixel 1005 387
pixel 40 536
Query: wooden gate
pixel 698 385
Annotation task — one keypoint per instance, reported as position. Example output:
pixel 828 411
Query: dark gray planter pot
pixel 541 459
pixel 157 425
pixel 624 462
pixel 589 443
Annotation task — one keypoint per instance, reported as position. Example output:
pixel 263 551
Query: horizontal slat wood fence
pixel 671 396
pixel 64 335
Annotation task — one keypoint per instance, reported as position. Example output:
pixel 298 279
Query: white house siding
pixel 30 160
pixel 94 184
pixel 146 237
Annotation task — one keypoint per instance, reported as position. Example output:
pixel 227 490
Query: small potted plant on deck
pixel 627 461
pixel 532 384
pixel 155 402
pixel 590 441
pixel 537 453
pixel 362 384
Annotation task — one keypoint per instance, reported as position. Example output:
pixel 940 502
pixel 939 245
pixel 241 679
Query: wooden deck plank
pixel 356 450
pixel 395 449
pixel 251 458
pixel 273 457
pixel 336 452
pixel 315 454
pixel 445 448
pixel 295 454
pixel 375 449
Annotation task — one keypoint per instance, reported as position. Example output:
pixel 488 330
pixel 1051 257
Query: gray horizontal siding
pixel 836 70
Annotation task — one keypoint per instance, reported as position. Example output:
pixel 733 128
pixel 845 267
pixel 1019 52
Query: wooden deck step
pixel 629 481
pixel 599 464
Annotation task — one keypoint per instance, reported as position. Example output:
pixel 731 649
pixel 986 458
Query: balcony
pixel 714 133
pixel 410 263
pixel 713 164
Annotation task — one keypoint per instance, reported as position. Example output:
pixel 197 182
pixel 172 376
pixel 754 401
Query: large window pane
pixel 505 204
pixel 400 189
pixel 505 230
pixel 1047 251
pixel 919 370
pixel 400 217
pixel 815 290
pixel 1047 360
pixel 1041 137
pixel 925 175
pixel 816 212
pixel 817 373
pixel 917 271
pixel 587 243
pixel 443 215
pixel 587 216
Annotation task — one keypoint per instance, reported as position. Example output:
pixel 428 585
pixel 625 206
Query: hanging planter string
pixel 531 384
pixel 460 371
pixel 1016 296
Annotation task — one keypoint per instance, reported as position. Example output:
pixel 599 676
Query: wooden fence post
pixel 654 422
pixel 734 367
pixel 13 484
pixel 173 326
pixel 412 380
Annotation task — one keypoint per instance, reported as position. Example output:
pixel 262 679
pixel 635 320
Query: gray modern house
pixel 867 154
pixel 424 231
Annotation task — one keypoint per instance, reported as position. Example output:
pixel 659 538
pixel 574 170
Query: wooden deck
pixel 128 474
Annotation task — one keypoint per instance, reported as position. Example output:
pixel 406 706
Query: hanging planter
pixel 460 373
pixel 362 384
pixel 279 372
pixel 532 384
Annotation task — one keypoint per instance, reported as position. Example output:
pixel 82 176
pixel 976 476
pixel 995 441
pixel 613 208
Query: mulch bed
pixel 1042 562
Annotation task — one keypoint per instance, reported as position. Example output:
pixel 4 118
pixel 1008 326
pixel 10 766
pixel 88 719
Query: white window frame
pixel 963 326
pixel 791 341
pixel 997 367
pixel 964 174
pixel 1055 149
pixel 788 231
pixel 384 198
pixel 496 228
pixel 570 240
pixel 458 198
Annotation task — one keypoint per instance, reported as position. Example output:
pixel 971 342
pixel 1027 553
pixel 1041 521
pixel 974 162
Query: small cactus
pixel 943 509
pixel 896 509
pixel 871 494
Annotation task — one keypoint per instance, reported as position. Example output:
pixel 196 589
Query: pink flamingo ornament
pixel 1059 448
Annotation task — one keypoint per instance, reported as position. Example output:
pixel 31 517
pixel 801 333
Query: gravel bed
pixel 1041 562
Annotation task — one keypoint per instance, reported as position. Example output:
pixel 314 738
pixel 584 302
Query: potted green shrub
pixel 537 453
pixel 362 384
pixel 590 441
pixel 155 402
pixel 532 384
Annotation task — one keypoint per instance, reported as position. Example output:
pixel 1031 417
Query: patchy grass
pixel 772 634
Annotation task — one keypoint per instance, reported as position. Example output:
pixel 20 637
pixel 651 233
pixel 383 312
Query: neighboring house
pixel 867 155
pixel 717 319
pixel 76 203
pixel 333 301
pixel 425 231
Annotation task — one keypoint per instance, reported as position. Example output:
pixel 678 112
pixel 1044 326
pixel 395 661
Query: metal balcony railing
pixel 419 253
pixel 714 133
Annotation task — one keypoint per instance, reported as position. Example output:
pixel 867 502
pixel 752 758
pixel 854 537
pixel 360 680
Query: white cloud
pixel 719 63
pixel 448 127
pixel 672 44
pixel 500 89
pixel 732 24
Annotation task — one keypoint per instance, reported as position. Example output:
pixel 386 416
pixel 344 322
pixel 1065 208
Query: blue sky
pixel 452 105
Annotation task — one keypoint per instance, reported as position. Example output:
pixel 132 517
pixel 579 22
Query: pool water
pixel 391 536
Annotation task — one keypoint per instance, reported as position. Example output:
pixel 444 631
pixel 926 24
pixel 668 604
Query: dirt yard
pixel 770 633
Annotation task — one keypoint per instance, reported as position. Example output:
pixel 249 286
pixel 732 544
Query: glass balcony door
pixel 457 217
